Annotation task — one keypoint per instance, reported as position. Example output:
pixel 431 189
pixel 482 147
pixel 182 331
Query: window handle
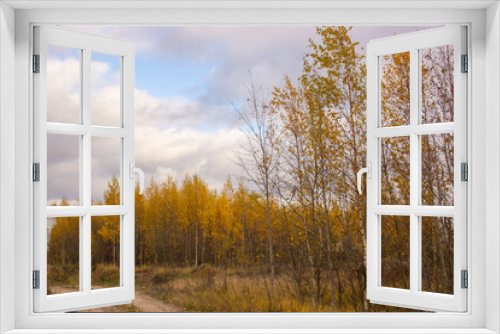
pixel 134 170
pixel 368 171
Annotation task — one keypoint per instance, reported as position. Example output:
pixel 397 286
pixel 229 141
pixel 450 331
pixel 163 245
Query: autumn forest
pixel 289 233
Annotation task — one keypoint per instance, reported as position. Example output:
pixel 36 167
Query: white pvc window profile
pixel 85 298
pixel 414 297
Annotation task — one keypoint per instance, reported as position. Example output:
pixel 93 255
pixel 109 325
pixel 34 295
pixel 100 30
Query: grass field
pixel 185 289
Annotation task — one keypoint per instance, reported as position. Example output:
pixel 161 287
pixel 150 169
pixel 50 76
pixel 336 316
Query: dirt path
pixel 145 303
pixel 141 303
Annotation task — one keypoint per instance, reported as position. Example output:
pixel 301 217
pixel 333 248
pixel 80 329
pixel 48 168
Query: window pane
pixel 395 89
pixel 395 170
pixel 105 252
pixel 106 171
pixel 105 90
pixel 437 84
pixel 437 254
pixel 437 169
pixel 63 84
pixel 395 251
pixel 63 169
pixel 63 255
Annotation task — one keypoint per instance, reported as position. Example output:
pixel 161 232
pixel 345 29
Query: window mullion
pixel 433 128
pixel 85 176
pixel 109 210
pixel 414 171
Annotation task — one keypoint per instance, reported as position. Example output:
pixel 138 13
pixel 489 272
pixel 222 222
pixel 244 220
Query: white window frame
pixel 412 43
pixel 483 21
pixel 86 44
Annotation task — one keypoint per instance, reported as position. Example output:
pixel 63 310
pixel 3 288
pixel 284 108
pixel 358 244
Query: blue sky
pixel 190 72
pixel 168 78
pixel 187 79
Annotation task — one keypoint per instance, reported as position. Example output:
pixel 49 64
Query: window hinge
pixel 464 171
pixel 36 172
pixel 36 279
pixel 465 64
pixel 464 279
pixel 36 63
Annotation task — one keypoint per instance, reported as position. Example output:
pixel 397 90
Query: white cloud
pixel 179 152
pixel 63 90
pixel 268 51
pixel 174 136
pixel 178 135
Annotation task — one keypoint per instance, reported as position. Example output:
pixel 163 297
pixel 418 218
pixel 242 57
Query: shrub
pixel 106 274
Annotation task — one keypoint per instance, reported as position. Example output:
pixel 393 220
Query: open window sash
pixel 415 297
pixel 85 297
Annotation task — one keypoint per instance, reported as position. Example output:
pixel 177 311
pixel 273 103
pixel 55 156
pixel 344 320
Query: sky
pixel 187 81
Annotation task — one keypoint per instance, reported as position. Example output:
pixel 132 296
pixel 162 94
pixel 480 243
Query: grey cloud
pixel 364 34
pixel 180 152
pixel 169 141
pixel 176 135
pixel 63 90
pixel 105 164
pixel 179 112
pixel 268 51
pixel 62 172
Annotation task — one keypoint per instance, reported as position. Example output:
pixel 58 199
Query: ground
pixel 141 303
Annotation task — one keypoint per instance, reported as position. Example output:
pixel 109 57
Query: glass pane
pixel 105 252
pixel 437 254
pixel 395 251
pixel 63 84
pixel 63 169
pixel 63 255
pixel 437 169
pixel 105 90
pixel 395 89
pixel 395 170
pixel 106 171
pixel 437 84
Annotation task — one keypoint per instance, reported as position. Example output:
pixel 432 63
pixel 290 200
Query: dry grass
pixel 213 290
pixel 67 277
pixel 62 276
pixel 232 290
pixel 106 275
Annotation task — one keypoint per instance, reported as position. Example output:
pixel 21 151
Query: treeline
pixel 297 210
pixel 63 235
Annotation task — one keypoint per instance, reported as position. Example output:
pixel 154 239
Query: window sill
pixel 250 331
